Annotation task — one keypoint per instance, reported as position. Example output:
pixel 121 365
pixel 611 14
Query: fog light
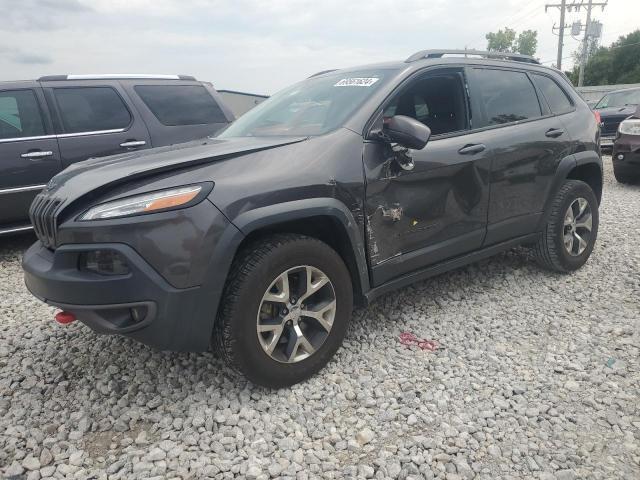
pixel 103 262
pixel 620 156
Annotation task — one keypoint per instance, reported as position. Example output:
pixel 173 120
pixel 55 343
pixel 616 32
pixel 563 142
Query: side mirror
pixel 406 131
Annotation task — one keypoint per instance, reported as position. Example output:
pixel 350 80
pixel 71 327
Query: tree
pixel 618 63
pixel 501 41
pixel 506 41
pixel 527 42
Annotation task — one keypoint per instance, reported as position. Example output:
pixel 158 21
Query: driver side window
pixel 438 100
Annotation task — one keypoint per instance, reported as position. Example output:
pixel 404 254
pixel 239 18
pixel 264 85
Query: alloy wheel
pixel 296 314
pixel 578 223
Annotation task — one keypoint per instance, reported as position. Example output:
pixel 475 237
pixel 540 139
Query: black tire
pixel 550 251
pixel 253 270
pixel 622 177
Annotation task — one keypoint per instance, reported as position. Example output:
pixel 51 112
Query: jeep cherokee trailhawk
pixel 336 190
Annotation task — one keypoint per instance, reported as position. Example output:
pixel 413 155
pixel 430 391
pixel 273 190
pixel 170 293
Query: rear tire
pixel 265 337
pixel 570 233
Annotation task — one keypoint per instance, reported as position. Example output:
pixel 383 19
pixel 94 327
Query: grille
pixel 610 126
pixel 43 214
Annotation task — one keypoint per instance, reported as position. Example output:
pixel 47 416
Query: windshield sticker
pixel 356 82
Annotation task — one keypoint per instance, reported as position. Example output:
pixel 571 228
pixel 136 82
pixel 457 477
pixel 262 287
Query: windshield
pixel 312 107
pixel 620 99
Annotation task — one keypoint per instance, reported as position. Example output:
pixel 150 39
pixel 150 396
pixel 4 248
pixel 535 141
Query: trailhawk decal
pixel 356 82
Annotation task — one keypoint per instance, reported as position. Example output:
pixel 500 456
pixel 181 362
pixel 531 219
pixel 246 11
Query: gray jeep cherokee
pixel 338 189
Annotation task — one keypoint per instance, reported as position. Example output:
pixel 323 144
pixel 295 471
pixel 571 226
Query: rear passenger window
pixel 20 115
pixel 507 96
pixel 556 98
pixel 91 109
pixel 181 104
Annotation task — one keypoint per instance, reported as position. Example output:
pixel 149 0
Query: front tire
pixel 285 311
pixel 570 233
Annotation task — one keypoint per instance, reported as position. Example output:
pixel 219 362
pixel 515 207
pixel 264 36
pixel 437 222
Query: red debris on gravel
pixel 409 339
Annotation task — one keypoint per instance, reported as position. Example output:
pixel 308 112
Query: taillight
pixel 597 115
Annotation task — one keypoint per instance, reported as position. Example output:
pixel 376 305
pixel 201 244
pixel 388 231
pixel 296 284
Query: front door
pixel 435 207
pixel 29 154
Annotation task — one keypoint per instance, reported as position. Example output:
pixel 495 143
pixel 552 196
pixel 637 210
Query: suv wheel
pixel 621 177
pixel 570 233
pixel 285 311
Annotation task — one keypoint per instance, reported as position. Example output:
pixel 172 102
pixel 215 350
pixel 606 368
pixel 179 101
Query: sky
pixel 262 46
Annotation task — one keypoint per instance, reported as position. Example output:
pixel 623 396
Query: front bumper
pixel 626 155
pixel 140 304
pixel 606 142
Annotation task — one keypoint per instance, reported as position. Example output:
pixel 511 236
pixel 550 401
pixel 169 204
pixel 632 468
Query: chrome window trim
pixel 62 135
pixel 29 188
pixel 15 229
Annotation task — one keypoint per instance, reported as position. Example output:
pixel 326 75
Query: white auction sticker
pixel 356 82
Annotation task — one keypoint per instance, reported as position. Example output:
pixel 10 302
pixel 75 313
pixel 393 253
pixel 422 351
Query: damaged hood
pixel 617 111
pixel 84 177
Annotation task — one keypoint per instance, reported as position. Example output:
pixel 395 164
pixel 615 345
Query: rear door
pixel 528 142
pixel 93 120
pixel 29 154
pixel 178 111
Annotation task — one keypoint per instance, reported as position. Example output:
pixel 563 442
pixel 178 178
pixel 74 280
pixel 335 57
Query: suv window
pixel 20 114
pixel 91 109
pixel 437 100
pixel 181 104
pixel 555 96
pixel 507 96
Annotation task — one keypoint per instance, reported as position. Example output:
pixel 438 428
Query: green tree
pixel 527 42
pixel 506 41
pixel 501 41
pixel 618 63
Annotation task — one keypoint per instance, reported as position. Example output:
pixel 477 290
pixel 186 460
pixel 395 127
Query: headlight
pixel 146 203
pixel 630 126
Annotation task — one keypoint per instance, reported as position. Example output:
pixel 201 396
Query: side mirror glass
pixel 406 131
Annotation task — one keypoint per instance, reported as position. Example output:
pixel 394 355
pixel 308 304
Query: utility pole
pixel 575 5
pixel 562 6
pixel 585 44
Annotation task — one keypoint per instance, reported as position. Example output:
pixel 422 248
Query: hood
pixel 84 177
pixel 617 111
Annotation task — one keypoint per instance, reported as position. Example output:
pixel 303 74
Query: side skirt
pixel 447 265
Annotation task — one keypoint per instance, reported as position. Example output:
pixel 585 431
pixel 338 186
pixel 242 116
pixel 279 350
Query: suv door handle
pixel 133 144
pixel 37 154
pixel 472 149
pixel 554 132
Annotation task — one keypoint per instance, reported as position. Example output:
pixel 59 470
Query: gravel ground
pixel 536 376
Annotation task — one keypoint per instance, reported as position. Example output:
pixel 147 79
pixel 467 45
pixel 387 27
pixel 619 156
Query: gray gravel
pixel 537 376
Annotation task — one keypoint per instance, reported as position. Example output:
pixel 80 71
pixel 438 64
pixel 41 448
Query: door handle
pixel 554 132
pixel 472 149
pixel 38 154
pixel 133 144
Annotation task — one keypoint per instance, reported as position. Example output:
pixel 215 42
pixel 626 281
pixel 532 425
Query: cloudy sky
pixel 261 46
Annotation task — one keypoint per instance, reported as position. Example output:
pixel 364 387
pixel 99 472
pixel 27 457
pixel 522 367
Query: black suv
pixel 50 123
pixel 338 189
pixel 613 108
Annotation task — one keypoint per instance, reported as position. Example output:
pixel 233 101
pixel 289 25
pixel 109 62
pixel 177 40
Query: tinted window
pixel 181 104
pixel 507 96
pixel 20 115
pixel 556 98
pixel 438 101
pixel 91 109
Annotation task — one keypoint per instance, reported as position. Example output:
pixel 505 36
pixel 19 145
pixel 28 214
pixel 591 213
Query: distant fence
pixel 595 93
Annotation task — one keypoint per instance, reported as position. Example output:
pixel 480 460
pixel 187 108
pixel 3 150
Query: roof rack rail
pixel 116 76
pixel 516 57
pixel 322 72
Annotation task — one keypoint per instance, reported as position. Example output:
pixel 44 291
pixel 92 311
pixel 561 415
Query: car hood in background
pixel 83 177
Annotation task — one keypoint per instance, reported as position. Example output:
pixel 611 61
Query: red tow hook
pixel 65 317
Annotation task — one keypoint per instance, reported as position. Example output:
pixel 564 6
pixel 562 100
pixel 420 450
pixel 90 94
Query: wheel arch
pixel 326 219
pixel 585 166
